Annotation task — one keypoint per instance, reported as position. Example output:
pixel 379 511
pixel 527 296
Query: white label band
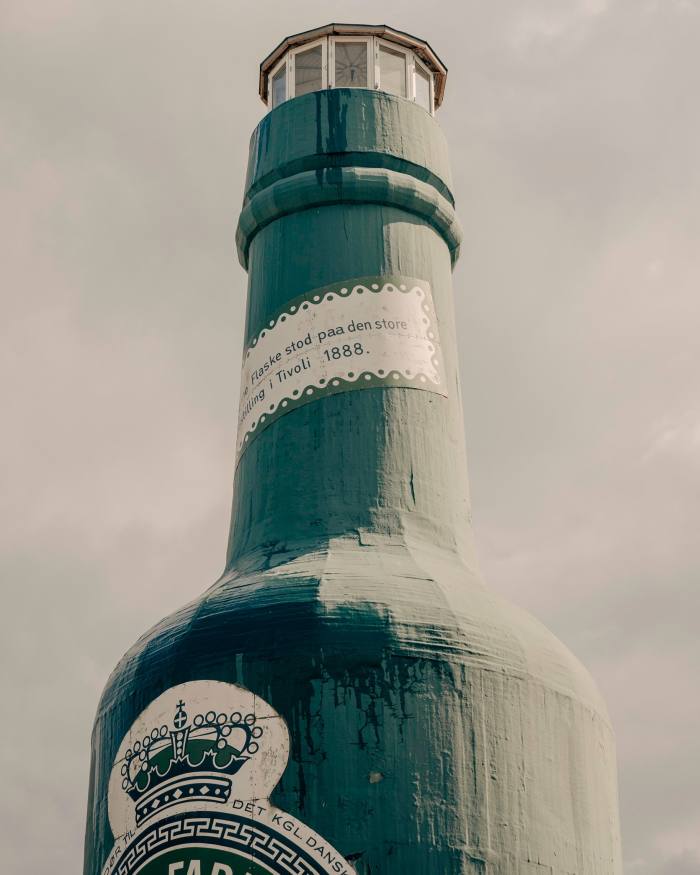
pixel 357 335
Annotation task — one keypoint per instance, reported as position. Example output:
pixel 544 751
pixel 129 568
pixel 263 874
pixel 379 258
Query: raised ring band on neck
pixel 336 185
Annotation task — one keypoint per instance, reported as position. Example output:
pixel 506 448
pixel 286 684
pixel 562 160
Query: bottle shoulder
pixel 349 602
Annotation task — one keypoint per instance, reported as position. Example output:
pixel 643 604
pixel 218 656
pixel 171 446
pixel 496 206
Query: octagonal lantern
pixel 353 56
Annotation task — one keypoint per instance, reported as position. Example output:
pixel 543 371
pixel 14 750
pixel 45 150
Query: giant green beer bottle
pixel 349 697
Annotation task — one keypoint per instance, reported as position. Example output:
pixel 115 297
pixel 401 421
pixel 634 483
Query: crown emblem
pixel 188 761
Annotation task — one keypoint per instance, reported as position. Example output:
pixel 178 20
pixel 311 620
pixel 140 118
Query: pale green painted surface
pixel 435 728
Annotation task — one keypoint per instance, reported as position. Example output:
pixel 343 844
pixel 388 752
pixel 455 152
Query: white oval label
pixel 190 786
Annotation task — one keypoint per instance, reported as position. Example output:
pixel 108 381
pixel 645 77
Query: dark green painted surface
pixel 434 727
pixel 326 129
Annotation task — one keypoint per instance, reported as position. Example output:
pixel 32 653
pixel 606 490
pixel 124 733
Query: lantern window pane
pixel 308 71
pixel 279 86
pixel 422 87
pixel 392 71
pixel 351 64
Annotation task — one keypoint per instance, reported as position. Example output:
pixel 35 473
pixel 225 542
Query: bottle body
pixel 432 728
pixel 428 734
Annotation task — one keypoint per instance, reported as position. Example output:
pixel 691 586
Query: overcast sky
pixel 574 128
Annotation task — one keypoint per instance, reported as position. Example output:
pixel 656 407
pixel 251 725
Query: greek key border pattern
pixel 256 839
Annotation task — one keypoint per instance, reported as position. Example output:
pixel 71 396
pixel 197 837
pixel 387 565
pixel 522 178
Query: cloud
pixel 574 139
pixel 685 863
pixel 540 23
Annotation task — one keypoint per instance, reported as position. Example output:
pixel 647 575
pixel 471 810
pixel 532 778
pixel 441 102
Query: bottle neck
pixel 377 448
pixel 385 457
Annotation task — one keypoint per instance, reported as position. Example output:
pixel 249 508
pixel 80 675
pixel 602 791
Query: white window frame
pixel 270 79
pixel 291 55
pixel 367 40
pixel 374 82
pixel 408 56
pixel 431 83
